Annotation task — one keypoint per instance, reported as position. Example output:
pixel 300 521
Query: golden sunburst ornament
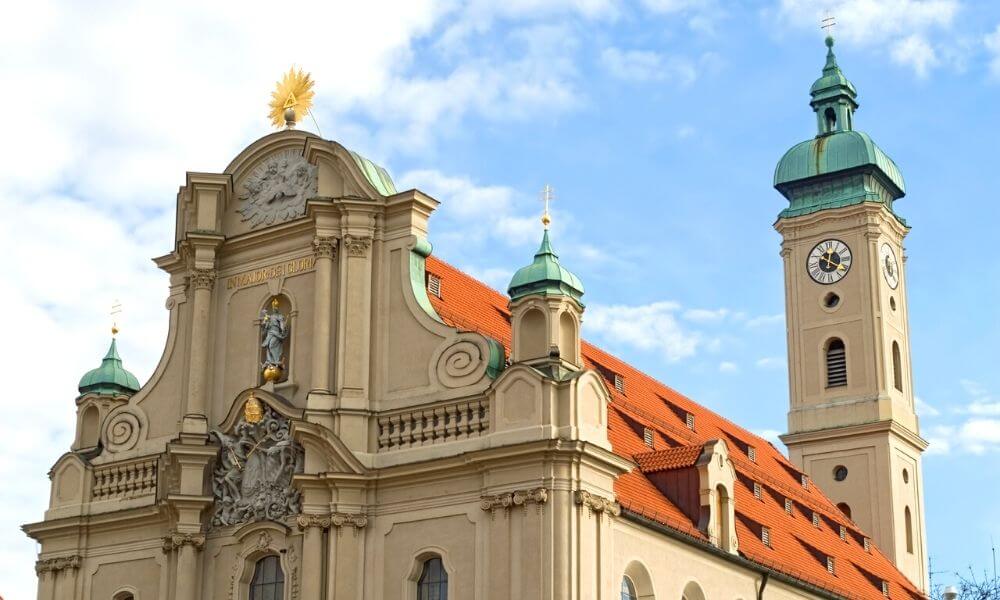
pixel 292 99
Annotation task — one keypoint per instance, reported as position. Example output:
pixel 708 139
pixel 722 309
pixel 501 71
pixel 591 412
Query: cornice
pixel 802 437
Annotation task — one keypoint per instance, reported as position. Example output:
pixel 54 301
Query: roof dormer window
pixel 765 535
pixel 433 284
pixel 619 383
pixel 752 454
pixel 647 436
pixel 689 421
pixel 788 505
pixel 815 519
pixel 831 565
pixel 758 491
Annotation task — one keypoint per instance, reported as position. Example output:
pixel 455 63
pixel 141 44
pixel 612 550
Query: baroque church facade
pixel 340 415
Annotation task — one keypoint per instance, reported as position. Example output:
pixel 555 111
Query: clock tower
pixel 852 426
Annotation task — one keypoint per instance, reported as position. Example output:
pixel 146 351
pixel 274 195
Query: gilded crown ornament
pixel 292 98
pixel 253 412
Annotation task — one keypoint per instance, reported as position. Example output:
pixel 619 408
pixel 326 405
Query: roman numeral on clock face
pixel 829 261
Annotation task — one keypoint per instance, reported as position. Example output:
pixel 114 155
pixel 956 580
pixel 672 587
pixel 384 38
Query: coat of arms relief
pixel 252 480
pixel 277 189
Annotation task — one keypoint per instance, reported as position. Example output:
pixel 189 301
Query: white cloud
pixel 651 327
pixel 770 362
pixel 728 367
pixel 979 430
pixel 992 43
pixel 771 435
pixel 703 315
pixel 646 65
pixel 924 409
pixel 766 320
pixel 914 51
pixel 905 26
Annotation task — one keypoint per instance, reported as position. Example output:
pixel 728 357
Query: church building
pixel 340 415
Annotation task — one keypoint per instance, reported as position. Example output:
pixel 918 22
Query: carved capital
pixel 306 521
pixel 335 520
pixel 597 504
pixel 53 565
pixel 522 498
pixel 175 540
pixel 202 278
pixel 325 247
pixel 357 246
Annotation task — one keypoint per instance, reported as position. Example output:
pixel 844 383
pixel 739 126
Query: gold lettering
pixel 273 272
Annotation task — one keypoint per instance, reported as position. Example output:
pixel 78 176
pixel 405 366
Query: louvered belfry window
pixel 434 284
pixel 836 363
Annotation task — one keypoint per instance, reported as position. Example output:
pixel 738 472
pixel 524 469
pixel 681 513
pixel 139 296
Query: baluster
pixel 475 422
pixel 405 430
pixel 462 420
pixel 418 428
pixel 394 428
pixel 439 423
pixel 383 433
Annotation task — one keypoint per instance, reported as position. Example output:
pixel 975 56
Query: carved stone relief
pixel 252 480
pixel 537 496
pixel 277 189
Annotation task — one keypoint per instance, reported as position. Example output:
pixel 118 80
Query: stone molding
pixel 175 540
pixel 337 520
pixel 597 504
pixel 325 247
pixel 357 245
pixel 54 565
pixel 536 496
pixel 202 278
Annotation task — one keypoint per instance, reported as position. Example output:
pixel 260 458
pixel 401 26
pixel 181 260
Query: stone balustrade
pixel 125 480
pixel 433 425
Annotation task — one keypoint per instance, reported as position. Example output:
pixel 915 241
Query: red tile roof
pixel 671 458
pixel 797 547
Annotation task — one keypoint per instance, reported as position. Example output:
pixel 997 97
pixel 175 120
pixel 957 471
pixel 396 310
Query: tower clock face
pixel 890 268
pixel 829 261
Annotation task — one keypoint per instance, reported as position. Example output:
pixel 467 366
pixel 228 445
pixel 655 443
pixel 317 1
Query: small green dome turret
pixel 111 377
pixel 840 166
pixel 545 276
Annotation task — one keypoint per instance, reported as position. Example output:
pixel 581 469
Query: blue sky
pixel 658 123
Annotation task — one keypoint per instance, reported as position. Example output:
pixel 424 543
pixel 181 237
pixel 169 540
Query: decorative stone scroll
pixel 124 429
pixel 53 565
pixel 336 520
pixel 536 496
pixel 175 540
pixel 202 278
pixel 357 246
pixel 277 189
pixel 325 247
pixel 252 480
pixel 597 504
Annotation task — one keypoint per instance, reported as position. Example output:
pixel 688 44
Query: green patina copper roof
pixel 376 175
pixel 545 276
pixel 840 166
pixel 111 377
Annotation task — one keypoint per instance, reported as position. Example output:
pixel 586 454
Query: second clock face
pixel 829 261
pixel 890 268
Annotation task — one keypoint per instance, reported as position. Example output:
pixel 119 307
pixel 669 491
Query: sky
pixel 658 123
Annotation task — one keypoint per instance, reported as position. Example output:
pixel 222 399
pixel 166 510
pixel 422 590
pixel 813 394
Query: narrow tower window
pixel 897 369
pixel 830 116
pixel 836 363
pixel 628 590
pixel 268 581
pixel 909 529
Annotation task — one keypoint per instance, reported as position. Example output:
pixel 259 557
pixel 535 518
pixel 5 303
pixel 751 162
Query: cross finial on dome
pixel 547 196
pixel 116 309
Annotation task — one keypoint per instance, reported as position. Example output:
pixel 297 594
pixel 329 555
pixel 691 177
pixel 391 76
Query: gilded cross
pixel 828 23
pixel 547 196
pixel 116 309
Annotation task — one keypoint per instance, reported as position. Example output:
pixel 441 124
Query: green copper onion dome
pixel 840 166
pixel 111 377
pixel 545 276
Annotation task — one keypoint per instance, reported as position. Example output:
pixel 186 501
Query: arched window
pixel 533 335
pixel 628 589
pixel 897 367
pixel 123 595
pixel 268 581
pixel 433 582
pixel 722 508
pixel 844 508
pixel 909 529
pixel 836 363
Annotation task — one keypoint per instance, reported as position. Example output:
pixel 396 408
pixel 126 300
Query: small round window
pixel 840 472
pixel 831 300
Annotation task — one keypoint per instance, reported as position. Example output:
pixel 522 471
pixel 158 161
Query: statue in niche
pixel 252 480
pixel 273 333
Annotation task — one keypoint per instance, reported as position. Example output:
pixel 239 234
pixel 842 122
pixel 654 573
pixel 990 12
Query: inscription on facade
pixel 272 272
